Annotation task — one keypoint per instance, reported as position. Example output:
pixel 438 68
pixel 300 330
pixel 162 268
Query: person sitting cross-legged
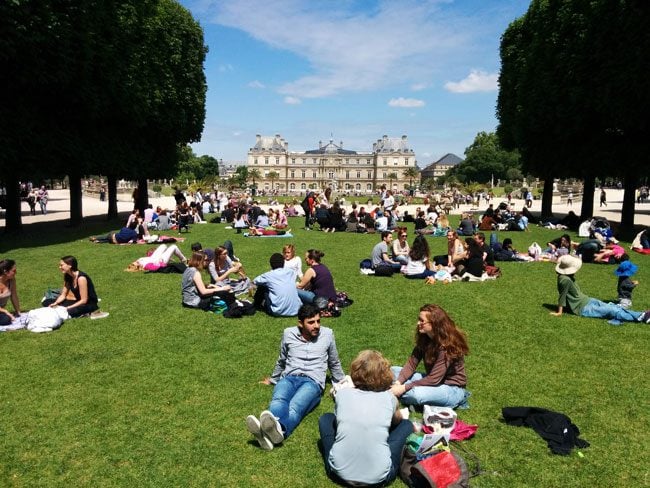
pixel 306 352
pixel 379 254
pixel 276 290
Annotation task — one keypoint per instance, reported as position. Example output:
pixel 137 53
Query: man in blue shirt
pixel 276 290
pixel 306 352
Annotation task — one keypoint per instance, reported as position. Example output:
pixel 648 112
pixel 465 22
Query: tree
pixel 273 175
pixel 411 173
pixel 254 175
pixel 485 159
pixel 391 176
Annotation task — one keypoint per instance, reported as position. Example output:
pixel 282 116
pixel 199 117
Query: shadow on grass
pixel 552 307
pixel 40 234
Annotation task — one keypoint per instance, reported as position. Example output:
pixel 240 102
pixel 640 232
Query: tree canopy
pixel 485 159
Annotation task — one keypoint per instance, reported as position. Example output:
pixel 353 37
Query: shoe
pixel 98 314
pixel 645 317
pixel 253 426
pixel 271 427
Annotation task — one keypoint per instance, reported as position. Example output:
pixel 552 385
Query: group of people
pixel 77 295
pixel 467 258
pixel 362 440
pixel 279 292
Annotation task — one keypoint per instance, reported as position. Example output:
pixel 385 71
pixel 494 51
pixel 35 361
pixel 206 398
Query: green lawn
pixel 156 395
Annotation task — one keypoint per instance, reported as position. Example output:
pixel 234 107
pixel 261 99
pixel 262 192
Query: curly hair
pixel 446 335
pixel 370 371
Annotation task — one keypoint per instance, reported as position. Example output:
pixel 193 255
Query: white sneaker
pixel 253 426
pixel 271 427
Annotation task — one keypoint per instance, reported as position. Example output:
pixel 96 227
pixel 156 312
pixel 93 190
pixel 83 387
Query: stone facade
pixel 440 167
pixel 330 165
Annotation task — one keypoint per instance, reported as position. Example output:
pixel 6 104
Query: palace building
pixel 331 166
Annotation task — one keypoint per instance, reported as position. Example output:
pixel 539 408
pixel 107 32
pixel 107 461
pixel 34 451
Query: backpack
pixel 442 469
pixel 364 264
pixel 384 271
pixel 305 203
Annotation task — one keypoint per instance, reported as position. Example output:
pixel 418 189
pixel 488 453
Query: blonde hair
pixel 289 248
pixel 370 371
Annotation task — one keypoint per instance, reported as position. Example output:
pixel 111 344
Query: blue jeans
pixel 306 296
pixel 293 398
pixel 440 396
pixel 420 276
pixel 596 309
pixel 396 439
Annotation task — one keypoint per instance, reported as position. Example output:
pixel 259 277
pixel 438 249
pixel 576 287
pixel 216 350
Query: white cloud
pixel 349 46
pixel 419 86
pixel 402 102
pixel 256 84
pixel 292 100
pixel 225 67
pixel 236 133
pixel 476 81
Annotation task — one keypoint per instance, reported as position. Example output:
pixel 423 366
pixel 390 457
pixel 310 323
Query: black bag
pixel 239 309
pixel 384 271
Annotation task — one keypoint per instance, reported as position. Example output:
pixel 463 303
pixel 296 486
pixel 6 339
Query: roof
pixel 392 144
pixel 330 148
pixel 269 143
pixel 449 159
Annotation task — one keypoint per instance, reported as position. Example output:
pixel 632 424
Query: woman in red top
pixel 442 347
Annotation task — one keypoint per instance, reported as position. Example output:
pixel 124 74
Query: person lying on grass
pixel 195 293
pixel 306 352
pixel 362 442
pixel 573 300
pixel 442 347
pixel 159 258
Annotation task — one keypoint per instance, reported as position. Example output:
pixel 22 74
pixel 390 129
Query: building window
pixel 358 174
pixel 369 174
pixel 368 161
pixel 303 186
pixel 303 173
pixel 266 160
pixel 293 174
pixel 395 162
pixel 369 186
pixel 384 175
pixel 331 175
pixel 304 160
pixel 293 160
pixel 358 161
pixel 266 186
pixel 385 161
pixel 347 161
pixel 277 160
pixel 266 173
pixel 313 174
pixel 347 175
pixel 292 186
pixel 358 186
pixel 255 160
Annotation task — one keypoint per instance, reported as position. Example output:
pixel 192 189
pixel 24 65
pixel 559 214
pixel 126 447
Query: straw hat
pixel 568 265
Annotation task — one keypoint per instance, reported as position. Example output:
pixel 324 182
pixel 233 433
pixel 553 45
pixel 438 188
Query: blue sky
pixel 351 70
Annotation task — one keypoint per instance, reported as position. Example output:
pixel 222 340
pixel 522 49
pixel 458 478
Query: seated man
pixel 380 256
pixel 306 352
pixel 276 290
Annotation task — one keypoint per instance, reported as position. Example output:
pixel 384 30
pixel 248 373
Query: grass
pixel 156 395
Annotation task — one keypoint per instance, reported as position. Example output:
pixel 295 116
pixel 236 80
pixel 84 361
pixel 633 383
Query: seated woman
pixel 442 347
pixel 78 294
pixel 290 209
pixel 475 264
pixel 456 252
pixel 292 261
pixel 322 216
pixel 241 220
pixel 336 218
pixel 195 293
pixel 163 221
pixel 419 260
pixel 224 271
pixel 317 280
pixel 401 246
pixel 466 227
pixel 363 440
pixel 159 258
pixel 8 291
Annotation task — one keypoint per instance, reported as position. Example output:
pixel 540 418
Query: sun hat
pixel 568 265
pixel 626 268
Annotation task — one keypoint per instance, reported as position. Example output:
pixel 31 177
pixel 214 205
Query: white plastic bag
pixel 46 319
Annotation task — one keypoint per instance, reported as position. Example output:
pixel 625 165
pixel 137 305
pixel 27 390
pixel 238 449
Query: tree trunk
pixel 76 206
pixel 112 197
pixel 588 189
pixel 547 199
pixel 143 195
pixel 13 218
pixel 626 230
